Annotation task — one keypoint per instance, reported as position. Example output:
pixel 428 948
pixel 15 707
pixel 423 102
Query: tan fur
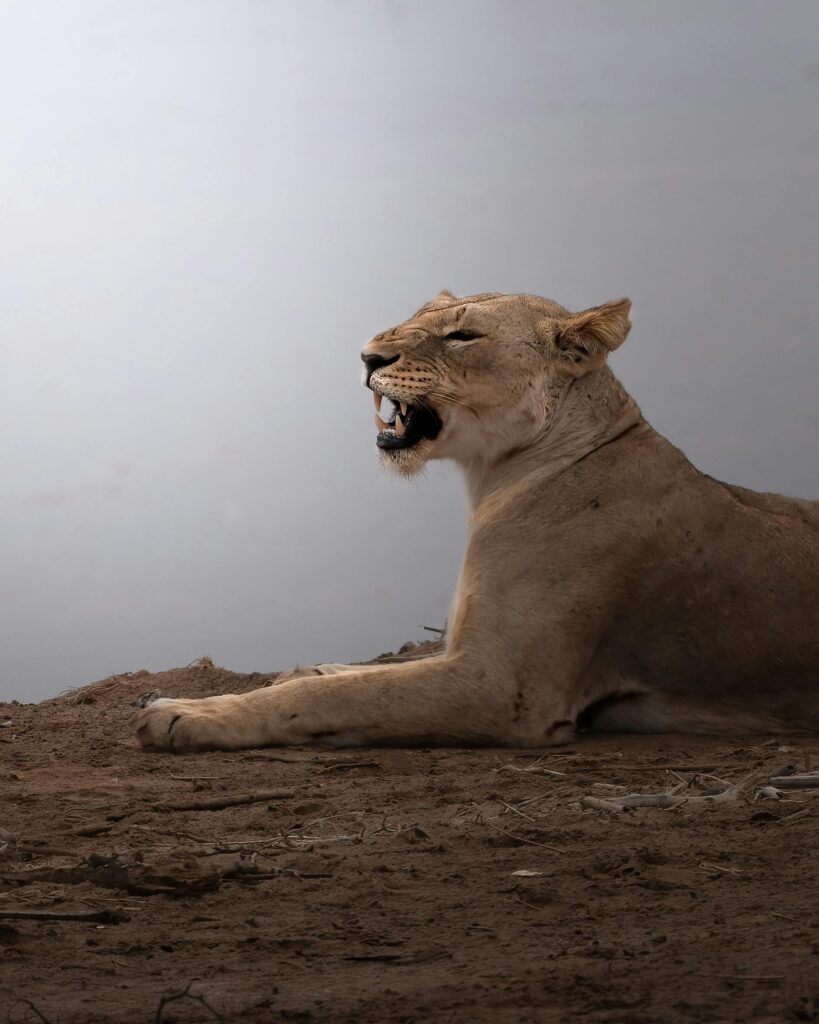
pixel 607 582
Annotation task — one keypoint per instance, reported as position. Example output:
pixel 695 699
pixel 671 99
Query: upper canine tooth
pixel 377 400
pixel 380 423
pixel 403 408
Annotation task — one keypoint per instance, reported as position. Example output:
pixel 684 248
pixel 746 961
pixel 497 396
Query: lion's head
pixel 473 378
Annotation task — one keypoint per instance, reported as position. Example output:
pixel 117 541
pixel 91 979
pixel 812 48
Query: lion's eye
pixel 462 336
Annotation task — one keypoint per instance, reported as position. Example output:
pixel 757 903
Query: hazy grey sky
pixel 207 207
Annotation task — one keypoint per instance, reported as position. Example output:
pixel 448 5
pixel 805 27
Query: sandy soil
pixel 394 885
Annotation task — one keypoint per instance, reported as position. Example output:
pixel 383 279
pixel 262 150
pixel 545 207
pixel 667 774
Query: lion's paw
pixel 180 725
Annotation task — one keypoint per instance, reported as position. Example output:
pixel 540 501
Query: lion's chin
pixel 406 462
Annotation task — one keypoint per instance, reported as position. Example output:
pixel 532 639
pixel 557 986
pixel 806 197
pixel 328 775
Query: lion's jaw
pixel 416 429
pixel 481 379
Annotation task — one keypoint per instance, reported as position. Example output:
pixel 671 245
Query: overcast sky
pixel 207 207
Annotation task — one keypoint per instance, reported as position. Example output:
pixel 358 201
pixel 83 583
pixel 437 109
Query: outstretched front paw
pixel 180 725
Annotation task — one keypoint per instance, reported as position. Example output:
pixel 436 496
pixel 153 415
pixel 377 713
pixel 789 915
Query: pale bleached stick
pixel 810 781
pixel 672 798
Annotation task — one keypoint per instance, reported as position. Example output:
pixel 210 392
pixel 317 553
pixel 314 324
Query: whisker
pixel 449 396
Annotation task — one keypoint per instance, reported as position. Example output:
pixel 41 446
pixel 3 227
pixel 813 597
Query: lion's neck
pixel 593 411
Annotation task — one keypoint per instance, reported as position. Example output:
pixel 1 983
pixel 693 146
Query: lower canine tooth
pixel 399 426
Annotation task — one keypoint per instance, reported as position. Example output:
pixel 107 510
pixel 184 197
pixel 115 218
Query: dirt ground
pixel 395 885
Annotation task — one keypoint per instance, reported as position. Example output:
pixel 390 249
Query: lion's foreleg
pixel 437 700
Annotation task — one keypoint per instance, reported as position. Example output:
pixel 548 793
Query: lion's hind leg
pixel 627 712
pixel 661 713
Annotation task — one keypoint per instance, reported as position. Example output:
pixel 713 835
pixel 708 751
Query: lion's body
pixel 675 589
pixel 608 584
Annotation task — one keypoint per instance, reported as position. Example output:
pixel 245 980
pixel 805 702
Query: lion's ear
pixel 443 298
pixel 584 340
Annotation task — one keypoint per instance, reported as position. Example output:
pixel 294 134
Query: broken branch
pixel 796 781
pixel 92 916
pixel 219 803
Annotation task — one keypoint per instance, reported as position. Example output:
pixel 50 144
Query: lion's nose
pixel 374 361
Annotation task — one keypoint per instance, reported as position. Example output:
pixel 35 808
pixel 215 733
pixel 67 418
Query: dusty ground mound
pixel 397 885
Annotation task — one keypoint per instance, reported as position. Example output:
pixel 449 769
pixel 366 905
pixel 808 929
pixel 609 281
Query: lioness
pixel 607 585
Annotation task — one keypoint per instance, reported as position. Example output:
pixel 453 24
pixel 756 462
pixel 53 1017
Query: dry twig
pixel 94 829
pixel 93 916
pixel 35 1010
pixel 218 803
pixel 534 769
pixel 706 865
pixel 522 839
pixel 810 781
pixel 746 977
pixel 515 810
pixel 673 797
pixel 197 778
pixel 335 766
pixel 631 800
pixel 796 816
pixel 186 993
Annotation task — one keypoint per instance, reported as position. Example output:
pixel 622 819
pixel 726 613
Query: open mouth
pixel 401 424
